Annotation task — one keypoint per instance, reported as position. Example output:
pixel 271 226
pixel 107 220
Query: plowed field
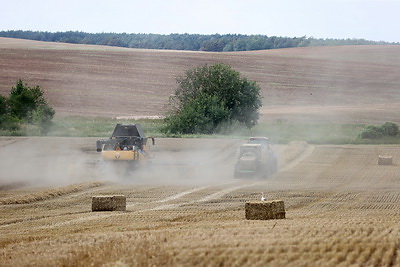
pixel 330 84
pixel 342 208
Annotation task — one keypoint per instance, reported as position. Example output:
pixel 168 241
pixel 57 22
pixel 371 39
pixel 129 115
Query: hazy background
pixel 376 20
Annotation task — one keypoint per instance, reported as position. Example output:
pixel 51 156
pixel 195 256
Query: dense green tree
pixel 23 100
pixel 3 110
pixel 210 95
pixel 3 105
pixel 202 114
pixel 390 129
pixel 25 105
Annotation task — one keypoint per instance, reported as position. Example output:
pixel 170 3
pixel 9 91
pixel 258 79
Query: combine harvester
pixel 127 147
pixel 127 151
pixel 256 159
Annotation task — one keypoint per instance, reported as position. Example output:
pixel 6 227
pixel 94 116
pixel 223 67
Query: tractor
pixel 255 159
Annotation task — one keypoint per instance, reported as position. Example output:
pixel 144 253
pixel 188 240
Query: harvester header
pixel 127 143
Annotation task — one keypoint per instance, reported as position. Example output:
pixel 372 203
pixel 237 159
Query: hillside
pixel 344 84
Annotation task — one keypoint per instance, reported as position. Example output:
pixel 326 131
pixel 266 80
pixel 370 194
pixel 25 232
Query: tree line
pixel 192 42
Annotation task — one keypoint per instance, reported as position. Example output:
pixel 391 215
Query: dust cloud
pixel 44 161
pixel 59 161
pixel 179 162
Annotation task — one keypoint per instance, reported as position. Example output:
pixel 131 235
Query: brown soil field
pixel 185 209
pixel 342 208
pixel 335 84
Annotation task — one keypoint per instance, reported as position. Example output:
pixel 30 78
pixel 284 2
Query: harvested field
pixel 342 208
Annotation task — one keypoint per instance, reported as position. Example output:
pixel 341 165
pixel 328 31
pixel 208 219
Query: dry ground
pixel 342 208
pixel 338 84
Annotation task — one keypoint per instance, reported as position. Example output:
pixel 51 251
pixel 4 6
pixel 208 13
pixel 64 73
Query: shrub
pixel 42 117
pixel 375 132
pixel 390 129
pixel 371 132
pixel 25 105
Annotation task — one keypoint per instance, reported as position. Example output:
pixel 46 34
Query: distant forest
pixel 193 42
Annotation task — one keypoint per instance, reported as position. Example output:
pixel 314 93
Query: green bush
pixel 25 105
pixel 390 129
pixel 375 132
pixel 42 117
pixel 371 132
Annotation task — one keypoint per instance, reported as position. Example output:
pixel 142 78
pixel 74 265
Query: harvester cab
pixel 255 159
pixel 127 143
pixel 263 141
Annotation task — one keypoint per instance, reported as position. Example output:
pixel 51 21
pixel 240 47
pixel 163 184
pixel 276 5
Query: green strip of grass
pixel 278 132
pixel 318 133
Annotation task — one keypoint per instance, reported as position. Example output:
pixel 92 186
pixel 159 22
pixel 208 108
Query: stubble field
pixel 342 208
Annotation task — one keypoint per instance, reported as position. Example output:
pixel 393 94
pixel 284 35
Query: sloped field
pixel 330 84
pixel 342 208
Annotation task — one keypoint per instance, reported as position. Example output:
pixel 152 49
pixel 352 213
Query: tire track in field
pixel 305 154
pixel 175 197
pixel 113 214
pixel 206 198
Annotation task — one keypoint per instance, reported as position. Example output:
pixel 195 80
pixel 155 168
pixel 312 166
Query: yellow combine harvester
pixel 127 144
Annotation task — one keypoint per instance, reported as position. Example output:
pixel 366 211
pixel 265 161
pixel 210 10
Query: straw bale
pixel 265 210
pixel 109 203
pixel 385 160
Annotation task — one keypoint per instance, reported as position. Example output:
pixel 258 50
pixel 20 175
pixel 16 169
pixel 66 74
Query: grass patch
pixel 318 133
pixel 95 127
pixel 314 133
pixel 279 132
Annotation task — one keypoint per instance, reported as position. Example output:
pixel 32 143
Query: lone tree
pixel 208 97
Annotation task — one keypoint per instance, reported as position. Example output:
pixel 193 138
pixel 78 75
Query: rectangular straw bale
pixel 109 203
pixel 385 160
pixel 265 210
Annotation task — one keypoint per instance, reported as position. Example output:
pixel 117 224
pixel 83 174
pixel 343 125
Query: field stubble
pixel 342 208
